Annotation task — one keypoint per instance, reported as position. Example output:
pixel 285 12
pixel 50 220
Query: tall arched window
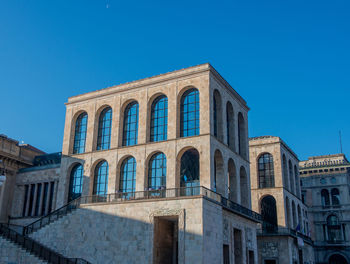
pixel 159 119
pixel 75 182
pixel 242 148
pixel 189 113
pixel 287 214
pixel 80 133
pixel 244 187
pixel 269 213
pixel 291 177
pixel 219 174
pixel 189 172
pixel 128 175
pixel 333 228
pixel 230 126
pixel 101 179
pixel 325 197
pixel 266 171
pixel 131 124
pixel 217 115
pixel 335 196
pixel 157 171
pixel 285 172
pixel 297 181
pixel 232 180
pixel 104 129
pixel 294 213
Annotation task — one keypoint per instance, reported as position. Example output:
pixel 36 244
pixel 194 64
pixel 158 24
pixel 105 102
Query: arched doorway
pixel 337 259
pixel 269 213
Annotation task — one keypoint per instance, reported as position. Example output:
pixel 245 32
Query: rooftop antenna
pixel 341 144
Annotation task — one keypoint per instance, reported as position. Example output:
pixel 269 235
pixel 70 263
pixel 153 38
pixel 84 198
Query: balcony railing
pixel 283 231
pixel 36 248
pixel 144 195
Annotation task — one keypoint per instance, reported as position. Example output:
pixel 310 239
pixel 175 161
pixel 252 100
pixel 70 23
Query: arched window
pixel 189 113
pixel 128 175
pixel 80 133
pixel 333 228
pixel 159 119
pixel 189 172
pixel 291 177
pixel 325 197
pixel 242 148
pixel 287 214
pixel 101 179
pixel 297 181
pixel 131 124
pixel 219 177
pixel 75 182
pixel 232 180
pixel 335 196
pixel 269 213
pixel 244 187
pixel 294 213
pixel 157 172
pixel 230 126
pixel 300 222
pixel 337 259
pixel 285 173
pixel 266 171
pixel 217 115
pixel 104 129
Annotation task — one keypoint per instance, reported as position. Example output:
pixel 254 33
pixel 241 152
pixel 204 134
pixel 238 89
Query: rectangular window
pixel 46 189
pixel 31 199
pixel 38 199
pixel 26 192
pixel 226 252
pixel 238 251
pixel 52 189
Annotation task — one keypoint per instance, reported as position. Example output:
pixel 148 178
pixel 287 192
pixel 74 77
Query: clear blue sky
pixel 290 60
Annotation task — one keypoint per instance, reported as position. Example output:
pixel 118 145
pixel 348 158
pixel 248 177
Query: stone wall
pixel 11 253
pixel 123 232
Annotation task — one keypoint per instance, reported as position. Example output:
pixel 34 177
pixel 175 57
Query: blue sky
pixel 290 60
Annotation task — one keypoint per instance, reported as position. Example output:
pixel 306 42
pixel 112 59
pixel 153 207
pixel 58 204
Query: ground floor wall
pixel 323 254
pixel 141 232
pixel 284 250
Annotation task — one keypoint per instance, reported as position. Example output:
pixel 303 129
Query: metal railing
pixel 283 231
pixel 51 217
pixel 143 195
pixel 36 248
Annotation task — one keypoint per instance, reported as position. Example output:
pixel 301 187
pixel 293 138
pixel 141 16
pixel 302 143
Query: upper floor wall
pixel 190 105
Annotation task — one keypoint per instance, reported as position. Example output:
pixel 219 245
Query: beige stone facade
pixel 13 156
pixel 275 190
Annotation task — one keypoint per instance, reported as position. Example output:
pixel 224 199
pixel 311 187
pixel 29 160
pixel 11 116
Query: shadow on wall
pixel 103 234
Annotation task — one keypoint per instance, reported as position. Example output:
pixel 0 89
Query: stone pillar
pixel 32 213
pixel 48 198
pixel 143 120
pixel 91 128
pixel 41 198
pixel 140 172
pixel 28 200
pixel 112 173
pixel 173 112
pixel 115 122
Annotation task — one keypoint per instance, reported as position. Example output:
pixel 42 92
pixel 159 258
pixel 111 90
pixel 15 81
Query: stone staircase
pixel 11 253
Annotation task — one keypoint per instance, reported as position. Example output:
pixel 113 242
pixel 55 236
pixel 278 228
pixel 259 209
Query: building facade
pixel 276 195
pixel 13 157
pixel 326 190
pixel 157 171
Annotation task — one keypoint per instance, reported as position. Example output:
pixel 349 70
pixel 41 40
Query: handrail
pixel 141 195
pixel 173 193
pixel 54 215
pixel 38 249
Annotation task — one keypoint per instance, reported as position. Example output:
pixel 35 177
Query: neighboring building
pixel 326 190
pixel 162 168
pixel 275 191
pixel 13 156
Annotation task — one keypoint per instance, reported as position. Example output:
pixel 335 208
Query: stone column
pixel 32 213
pixel 48 198
pixel 143 120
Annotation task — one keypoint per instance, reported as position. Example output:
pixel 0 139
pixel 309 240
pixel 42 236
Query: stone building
pixel 276 195
pixel 326 190
pixel 152 171
pixel 13 156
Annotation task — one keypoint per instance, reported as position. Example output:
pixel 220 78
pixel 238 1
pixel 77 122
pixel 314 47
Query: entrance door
pixel 165 241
